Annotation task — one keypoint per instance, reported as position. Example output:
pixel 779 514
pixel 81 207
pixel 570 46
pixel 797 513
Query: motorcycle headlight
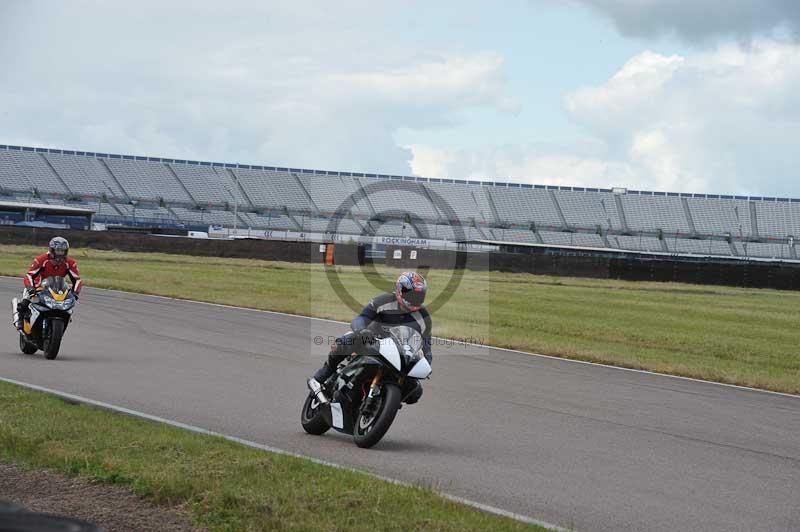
pixel 50 302
pixel 409 356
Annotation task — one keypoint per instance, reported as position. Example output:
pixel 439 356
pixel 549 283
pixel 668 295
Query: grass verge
pixel 227 486
pixel 739 336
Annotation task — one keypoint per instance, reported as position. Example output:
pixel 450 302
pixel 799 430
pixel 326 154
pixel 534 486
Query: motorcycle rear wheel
pixel 311 418
pixel 368 429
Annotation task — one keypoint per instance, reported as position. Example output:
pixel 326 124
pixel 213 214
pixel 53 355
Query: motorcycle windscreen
pixel 410 344
pixel 56 284
pixel 406 336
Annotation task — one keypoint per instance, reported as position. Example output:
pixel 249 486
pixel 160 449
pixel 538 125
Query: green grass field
pixel 225 485
pixel 741 336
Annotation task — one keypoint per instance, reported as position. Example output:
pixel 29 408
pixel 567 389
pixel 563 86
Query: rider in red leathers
pixel 54 263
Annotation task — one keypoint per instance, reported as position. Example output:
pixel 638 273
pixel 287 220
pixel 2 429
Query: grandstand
pixel 137 190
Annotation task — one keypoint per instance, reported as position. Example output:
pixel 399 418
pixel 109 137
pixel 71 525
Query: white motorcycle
pixel 364 394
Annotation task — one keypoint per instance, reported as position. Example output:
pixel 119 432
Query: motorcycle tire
pixel 25 346
pixel 312 420
pixel 52 342
pixel 367 432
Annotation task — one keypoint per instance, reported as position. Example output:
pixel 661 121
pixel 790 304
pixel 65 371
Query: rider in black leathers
pixel 403 307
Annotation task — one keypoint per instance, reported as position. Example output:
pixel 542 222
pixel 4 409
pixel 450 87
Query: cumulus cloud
pixel 722 121
pixel 284 83
pixel 700 20
pixel 571 165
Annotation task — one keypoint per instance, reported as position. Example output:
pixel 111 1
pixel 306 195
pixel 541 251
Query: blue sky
pixel 663 95
pixel 549 50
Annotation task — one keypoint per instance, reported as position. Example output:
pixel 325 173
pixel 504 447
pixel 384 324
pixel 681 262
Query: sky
pixel 685 96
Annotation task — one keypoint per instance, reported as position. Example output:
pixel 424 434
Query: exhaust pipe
pixel 316 389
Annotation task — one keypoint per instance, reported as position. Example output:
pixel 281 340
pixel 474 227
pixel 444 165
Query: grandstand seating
pixel 646 213
pixel 515 235
pixel 145 180
pixel 205 185
pixel 636 243
pixel 589 209
pixel 273 189
pixel 193 194
pixel 572 239
pixel 720 216
pixel 778 219
pixel 699 247
pixel 399 197
pixel 763 249
pixel 85 176
pixel 24 171
pixel 457 202
pixel 524 206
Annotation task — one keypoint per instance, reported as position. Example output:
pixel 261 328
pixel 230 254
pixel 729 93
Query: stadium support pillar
pixel 561 216
pixel 688 214
pixel 729 240
pixel 753 219
pixel 621 213
pixel 56 174
pixel 492 206
pixel 306 193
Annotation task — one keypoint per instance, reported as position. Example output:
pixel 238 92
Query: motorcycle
pixel 364 394
pixel 50 312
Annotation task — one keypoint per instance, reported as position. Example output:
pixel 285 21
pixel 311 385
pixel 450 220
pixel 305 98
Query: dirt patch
pixel 113 508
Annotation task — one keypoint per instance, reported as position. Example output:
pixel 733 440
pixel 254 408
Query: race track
pixel 590 447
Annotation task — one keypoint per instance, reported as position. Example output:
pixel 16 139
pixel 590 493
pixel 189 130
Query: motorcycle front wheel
pixel 52 340
pixel 370 428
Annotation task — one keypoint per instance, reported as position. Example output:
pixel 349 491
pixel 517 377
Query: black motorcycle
pixel 49 314
pixel 364 394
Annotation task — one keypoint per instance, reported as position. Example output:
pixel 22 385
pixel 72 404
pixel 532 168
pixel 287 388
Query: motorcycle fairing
pixel 339 415
pixel 421 370
pixel 388 350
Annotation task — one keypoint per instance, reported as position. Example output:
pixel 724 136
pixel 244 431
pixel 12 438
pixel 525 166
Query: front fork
pixel 374 391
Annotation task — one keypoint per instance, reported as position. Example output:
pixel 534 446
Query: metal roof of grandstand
pixel 468 182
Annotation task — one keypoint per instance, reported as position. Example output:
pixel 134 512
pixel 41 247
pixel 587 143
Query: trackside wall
pixel 752 274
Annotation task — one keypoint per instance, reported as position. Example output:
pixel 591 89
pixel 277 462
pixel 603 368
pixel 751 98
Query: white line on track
pixel 276 450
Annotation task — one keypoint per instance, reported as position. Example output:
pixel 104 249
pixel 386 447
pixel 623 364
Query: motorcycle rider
pixel 54 263
pixel 402 307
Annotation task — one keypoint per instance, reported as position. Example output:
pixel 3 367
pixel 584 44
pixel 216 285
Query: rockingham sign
pixel 407 241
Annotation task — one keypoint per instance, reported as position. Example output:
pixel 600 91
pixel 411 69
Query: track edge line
pixel 276 450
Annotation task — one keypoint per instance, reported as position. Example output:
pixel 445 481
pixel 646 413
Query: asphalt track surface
pixel 577 445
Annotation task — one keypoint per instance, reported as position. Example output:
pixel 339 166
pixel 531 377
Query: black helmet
pixel 410 290
pixel 59 248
